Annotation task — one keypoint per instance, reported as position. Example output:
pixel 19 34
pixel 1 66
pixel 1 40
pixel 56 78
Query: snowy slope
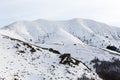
pixel 79 31
pixel 23 61
pixel 83 39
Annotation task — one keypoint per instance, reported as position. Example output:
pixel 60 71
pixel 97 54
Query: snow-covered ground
pixel 83 39
pixel 18 62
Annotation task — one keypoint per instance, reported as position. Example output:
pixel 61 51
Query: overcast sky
pixel 107 11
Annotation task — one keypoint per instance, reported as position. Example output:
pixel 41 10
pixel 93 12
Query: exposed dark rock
pixel 20 51
pixel 112 48
pixel 67 59
pixel 84 78
pixel 54 51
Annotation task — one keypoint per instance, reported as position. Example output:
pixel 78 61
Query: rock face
pixel 77 49
pixel 67 59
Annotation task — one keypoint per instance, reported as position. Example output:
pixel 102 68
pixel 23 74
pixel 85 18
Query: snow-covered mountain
pixel 76 31
pixel 58 50
pixel 24 61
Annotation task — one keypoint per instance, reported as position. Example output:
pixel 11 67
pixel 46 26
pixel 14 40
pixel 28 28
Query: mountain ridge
pixel 79 28
pixel 53 48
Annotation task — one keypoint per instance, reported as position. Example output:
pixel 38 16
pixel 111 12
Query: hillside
pixel 24 61
pixel 76 31
pixel 59 50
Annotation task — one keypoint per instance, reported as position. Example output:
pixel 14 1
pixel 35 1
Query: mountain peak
pixel 41 30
